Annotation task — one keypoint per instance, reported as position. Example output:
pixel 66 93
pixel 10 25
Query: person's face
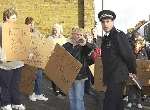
pixel 77 35
pixel 93 31
pixel 55 30
pixel 107 24
pixel 31 25
pixel 12 18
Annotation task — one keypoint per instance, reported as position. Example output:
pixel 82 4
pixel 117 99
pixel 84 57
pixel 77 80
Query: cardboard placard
pixel 62 68
pixel 98 75
pixel 15 41
pixel 19 43
pixel 39 51
pixel 27 80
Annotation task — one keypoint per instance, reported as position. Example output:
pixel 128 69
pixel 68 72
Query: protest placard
pixel 62 68
pixel 15 41
pixel 39 51
pixel 27 79
pixel 98 75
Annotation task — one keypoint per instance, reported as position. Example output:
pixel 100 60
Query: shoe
pixel 56 93
pixel 7 107
pixel 129 105
pixel 125 98
pixel 62 93
pixel 41 97
pixel 139 106
pixel 32 97
pixel 60 96
pixel 19 107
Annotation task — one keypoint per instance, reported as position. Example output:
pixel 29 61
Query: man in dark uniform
pixel 118 61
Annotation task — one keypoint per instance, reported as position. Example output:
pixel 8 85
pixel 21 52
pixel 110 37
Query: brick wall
pixel 48 12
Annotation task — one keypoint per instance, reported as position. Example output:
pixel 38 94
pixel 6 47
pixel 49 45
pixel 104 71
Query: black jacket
pixel 117 57
pixel 81 53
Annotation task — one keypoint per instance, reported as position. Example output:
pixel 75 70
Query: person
pixel 57 34
pixel 57 31
pixel 140 53
pixel 57 37
pixel 118 61
pixel 10 75
pixel 30 23
pixel 80 49
pixel 37 94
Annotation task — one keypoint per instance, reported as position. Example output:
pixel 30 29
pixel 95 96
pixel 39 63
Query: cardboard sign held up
pixel 62 68
pixel 98 75
pixel 20 44
pixel 15 41
pixel 40 50
pixel 27 80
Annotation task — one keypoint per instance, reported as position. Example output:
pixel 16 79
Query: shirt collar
pixel 107 34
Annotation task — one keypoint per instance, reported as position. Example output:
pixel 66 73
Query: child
pixel 37 95
pixel 10 77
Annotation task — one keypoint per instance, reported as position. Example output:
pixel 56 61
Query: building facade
pixel 47 12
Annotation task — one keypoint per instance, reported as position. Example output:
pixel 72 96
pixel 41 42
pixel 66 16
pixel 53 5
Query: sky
pixel 128 12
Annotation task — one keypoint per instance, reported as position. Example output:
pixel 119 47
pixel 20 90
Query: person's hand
pixel 132 75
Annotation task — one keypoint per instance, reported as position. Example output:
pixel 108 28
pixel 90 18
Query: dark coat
pixel 81 53
pixel 117 57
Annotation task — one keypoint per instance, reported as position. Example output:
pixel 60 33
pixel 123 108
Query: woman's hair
pixel 76 29
pixel 58 27
pixel 29 20
pixel 8 12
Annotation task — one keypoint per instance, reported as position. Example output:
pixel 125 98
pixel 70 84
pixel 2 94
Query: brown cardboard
pixel 27 80
pixel 98 75
pixel 39 51
pixel 15 41
pixel 62 68
pixel 20 44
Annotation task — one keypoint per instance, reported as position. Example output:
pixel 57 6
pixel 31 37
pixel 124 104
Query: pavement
pixel 57 103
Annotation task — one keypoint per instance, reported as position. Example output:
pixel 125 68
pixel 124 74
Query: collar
pixel 111 31
pixel 107 34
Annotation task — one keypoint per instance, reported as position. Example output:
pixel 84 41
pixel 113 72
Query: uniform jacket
pixel 117 57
